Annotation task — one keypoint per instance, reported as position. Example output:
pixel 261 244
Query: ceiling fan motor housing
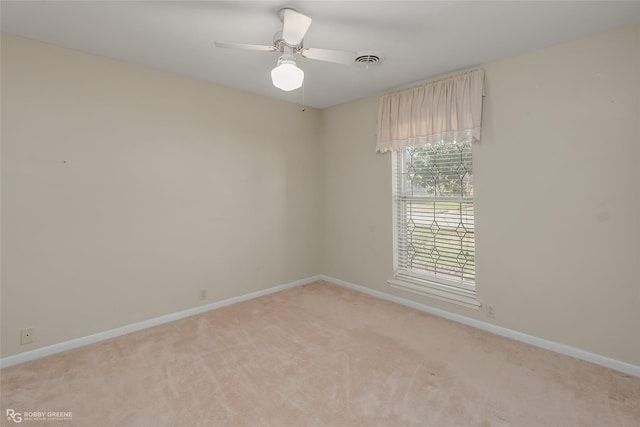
pixel 280 44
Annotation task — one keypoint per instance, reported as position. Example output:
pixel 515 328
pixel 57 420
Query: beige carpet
pixel 319 355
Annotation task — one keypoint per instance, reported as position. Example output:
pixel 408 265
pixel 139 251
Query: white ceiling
pixel 419 39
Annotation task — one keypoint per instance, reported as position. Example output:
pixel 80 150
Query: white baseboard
pixel 498 330
pixel 127 329
pixel 567 350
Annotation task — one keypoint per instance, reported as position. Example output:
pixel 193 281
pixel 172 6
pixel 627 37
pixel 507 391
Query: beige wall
pixel 126 190
pixel 557 189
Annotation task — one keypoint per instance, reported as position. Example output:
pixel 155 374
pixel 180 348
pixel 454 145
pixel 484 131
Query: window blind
pixel 435 213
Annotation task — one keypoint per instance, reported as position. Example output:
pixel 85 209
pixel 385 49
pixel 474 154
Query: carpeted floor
pixel 318 355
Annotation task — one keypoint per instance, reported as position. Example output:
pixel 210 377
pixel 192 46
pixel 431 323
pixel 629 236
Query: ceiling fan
pixel 286 75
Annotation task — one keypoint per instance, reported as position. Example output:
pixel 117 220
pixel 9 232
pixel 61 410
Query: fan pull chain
pixel 303 106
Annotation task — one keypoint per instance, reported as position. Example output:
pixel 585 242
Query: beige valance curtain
pixel 447 110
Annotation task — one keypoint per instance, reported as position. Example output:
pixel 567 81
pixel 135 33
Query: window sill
pixel 436 290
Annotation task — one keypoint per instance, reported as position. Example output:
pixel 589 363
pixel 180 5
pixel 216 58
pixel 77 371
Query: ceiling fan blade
pixel 295 26
pixel 245 46
pixel 337 56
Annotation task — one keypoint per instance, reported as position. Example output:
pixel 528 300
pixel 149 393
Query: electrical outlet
pixel 26 336
pixel 203 294
pixel 490 312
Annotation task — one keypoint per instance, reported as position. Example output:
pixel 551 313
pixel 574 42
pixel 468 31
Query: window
pixel 430 130
pixel 434 230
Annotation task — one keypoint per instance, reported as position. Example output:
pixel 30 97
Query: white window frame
pixel 456 292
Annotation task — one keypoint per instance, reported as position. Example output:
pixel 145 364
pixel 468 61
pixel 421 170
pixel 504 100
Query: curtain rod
pixel 421 83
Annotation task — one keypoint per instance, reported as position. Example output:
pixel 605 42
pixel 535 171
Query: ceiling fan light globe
pixel 287 77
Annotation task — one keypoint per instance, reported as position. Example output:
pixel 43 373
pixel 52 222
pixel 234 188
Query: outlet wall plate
pixel 26 336
pixel 490 312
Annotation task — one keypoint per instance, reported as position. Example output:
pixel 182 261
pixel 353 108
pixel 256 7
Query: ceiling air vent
pixel 368 58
